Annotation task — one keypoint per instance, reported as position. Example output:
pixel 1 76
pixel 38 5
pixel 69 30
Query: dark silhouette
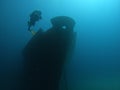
pixel 46 53
pixel 34 17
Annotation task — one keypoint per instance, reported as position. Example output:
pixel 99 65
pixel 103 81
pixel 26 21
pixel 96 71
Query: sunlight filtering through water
pixel 96 63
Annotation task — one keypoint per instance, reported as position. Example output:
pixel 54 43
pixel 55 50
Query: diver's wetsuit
pixel 34 17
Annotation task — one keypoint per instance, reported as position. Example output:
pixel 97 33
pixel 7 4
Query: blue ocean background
pixel 96 60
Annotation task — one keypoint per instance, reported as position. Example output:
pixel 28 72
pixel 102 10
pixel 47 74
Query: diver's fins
pixel 29 25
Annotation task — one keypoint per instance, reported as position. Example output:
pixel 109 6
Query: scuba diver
pixel 34 17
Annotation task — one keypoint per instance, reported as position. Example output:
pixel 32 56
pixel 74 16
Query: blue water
pixel 96 60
